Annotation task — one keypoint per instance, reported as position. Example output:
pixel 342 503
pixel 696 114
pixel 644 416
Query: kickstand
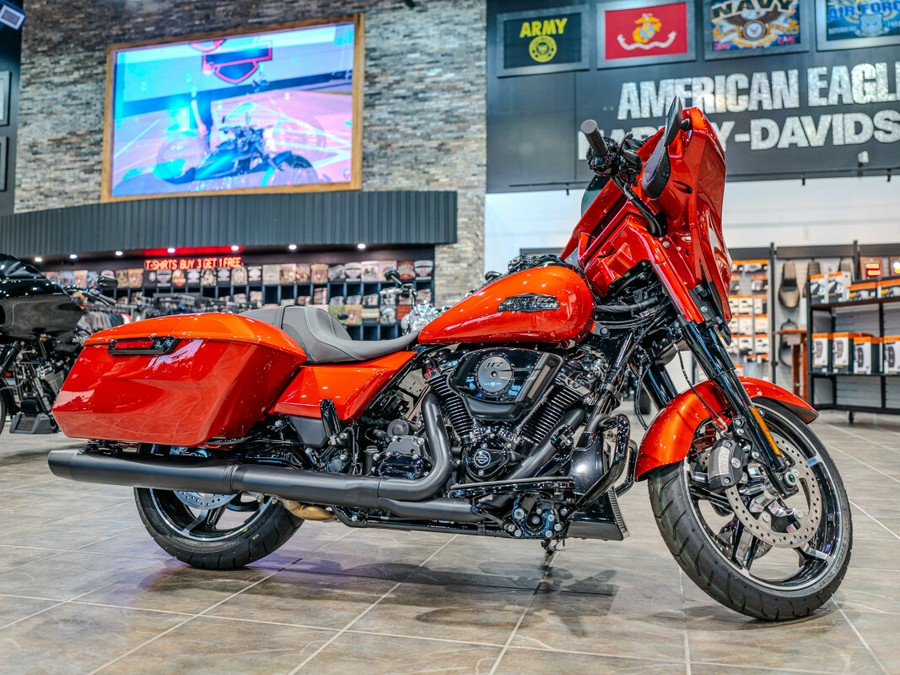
pixel 551 547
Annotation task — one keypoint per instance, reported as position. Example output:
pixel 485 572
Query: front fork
pixel 746 422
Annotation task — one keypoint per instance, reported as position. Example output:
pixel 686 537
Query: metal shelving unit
pixel 276 293
pixel 852 392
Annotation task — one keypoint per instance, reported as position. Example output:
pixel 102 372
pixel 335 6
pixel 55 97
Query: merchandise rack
pixel 852 392
pixel 276 293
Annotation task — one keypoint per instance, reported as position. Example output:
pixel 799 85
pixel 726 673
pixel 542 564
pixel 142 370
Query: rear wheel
pixel 741 545
pixel 213 531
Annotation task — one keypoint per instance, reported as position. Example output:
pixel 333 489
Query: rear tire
pixel 183 532
pixel 694 543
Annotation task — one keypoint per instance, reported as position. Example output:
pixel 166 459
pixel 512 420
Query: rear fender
pixel 669 437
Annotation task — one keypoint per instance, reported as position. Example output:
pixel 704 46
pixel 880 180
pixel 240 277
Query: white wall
pixel 824 211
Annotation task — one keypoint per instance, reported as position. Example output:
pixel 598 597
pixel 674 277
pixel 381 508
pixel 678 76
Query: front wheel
pixel 213 531
pixel 741 545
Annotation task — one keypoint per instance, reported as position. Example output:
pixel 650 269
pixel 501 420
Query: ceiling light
pixel 120 253
pixel 171 249
pixel 235 248
pixel 73 256
pixel 292 247
pixel 38 258
pixel 361 246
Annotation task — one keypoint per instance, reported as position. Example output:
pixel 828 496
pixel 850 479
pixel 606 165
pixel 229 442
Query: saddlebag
pixel 180 380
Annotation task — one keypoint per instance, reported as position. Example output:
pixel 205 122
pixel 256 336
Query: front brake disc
pixel 808 525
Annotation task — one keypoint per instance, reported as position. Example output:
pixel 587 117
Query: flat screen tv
pixel 267 109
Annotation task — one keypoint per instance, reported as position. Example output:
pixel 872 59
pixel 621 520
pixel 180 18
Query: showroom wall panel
pixel 423 121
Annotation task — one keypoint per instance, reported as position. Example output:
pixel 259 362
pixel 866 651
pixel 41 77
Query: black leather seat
pixel 323 338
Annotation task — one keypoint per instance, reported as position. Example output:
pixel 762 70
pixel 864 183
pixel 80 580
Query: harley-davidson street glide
pixel 497 418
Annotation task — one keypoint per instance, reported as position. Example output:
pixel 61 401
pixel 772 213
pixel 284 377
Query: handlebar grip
pixel 594 138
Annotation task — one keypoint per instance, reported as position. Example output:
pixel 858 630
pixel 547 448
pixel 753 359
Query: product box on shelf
pixel 866 353
pixel 353 271
pixel 337 273
pixel 864 290
pixel 371 270
pixel 838 286
pixel 423 268
pixel 744 343
pixel 889 288
pixel 760 303
pixel 271 274
pixel 818 289
pixel 755 266
pixel 745 304
pixel 238 276
pixel 820 359
pixel 287 274
pixel 733 304
pixel 761 345
pixel 406 269
pixel 745 323
pixel 388 315
pixel 842 350
pixel 354 315
pixel 759 283
pixel 319 273
pixel 761 323
pixel 890 345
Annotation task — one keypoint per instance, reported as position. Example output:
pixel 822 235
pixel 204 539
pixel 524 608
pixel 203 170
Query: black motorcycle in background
pixel 39 341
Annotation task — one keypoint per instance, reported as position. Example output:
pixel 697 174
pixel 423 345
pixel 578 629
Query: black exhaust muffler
pixel 404 498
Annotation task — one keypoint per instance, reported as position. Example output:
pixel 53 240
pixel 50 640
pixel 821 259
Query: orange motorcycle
pixel 498 418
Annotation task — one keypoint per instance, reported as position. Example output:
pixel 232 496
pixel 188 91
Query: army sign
pixel 542 41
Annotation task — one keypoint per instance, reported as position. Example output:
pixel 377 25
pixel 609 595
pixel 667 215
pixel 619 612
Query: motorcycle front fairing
pixel 612 235
pixel 689 258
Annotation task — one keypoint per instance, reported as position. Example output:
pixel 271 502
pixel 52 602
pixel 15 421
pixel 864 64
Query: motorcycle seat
pixel 323 338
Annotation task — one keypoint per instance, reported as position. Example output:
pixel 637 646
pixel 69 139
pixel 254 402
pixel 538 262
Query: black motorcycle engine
pixel 502 402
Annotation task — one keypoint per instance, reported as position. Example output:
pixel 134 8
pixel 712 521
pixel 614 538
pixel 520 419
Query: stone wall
pixel 423 123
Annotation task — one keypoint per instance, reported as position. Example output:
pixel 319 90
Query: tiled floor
pixel 84 589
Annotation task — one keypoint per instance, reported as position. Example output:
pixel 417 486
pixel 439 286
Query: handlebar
pixel 92 293
pixel 594 138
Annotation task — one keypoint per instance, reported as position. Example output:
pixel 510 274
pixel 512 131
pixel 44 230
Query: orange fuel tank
pixel 542 304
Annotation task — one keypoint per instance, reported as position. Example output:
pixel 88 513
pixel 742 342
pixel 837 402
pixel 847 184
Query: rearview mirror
pixel 107 283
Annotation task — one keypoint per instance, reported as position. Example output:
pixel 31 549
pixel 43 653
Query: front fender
pixel 670 435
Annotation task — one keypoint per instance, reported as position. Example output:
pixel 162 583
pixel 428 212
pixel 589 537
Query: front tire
pixel 734 567
pixel 213 531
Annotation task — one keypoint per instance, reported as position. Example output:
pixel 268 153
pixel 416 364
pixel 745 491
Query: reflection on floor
pixel 83 588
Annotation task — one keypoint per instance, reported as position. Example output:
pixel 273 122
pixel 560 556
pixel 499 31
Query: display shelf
pixel 836 390
pixel 139 278
pixel 853 303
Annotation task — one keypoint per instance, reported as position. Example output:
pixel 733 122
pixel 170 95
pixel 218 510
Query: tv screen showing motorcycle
pixel 275 109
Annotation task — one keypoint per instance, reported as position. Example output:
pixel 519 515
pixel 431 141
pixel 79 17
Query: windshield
pixel 13 268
